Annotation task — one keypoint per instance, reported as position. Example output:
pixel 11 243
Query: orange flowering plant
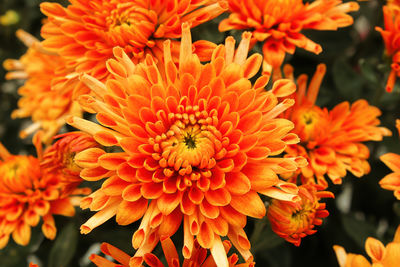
pixel 195 133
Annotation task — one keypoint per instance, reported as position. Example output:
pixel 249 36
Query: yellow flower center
pixel 69 163
pixel 18 172
pixel 303 214
pixel 309 122
pixel 131 25
pixel 118 18
pixel 190 146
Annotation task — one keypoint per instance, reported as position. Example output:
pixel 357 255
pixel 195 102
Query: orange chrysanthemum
pixel 29 192
pixel 331 140
pixel 196 146
pixel 380 255
pixel 85 32
pixel 46 108
pixel 295 220
pixel 390 35
pixel 278 24
pixel 59 158
pixel 392 180
pixel 199 257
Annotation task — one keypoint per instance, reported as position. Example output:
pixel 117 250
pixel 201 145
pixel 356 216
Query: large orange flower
pixel 380 255
pixel 390 35
pixel 295 220
pixel 196 146
pixel 85 32
pixel 46 108
pixel 199 257
pixel 331 140
pixel 278 24
pixel 28 192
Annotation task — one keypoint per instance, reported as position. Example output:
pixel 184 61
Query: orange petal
pixel 375 249
pixel 391 160
pixel 168 202
pixel 129 212
pixel 241 204
pixel 22 234
pixel 205 236
pixel 169 250
pixel 219 197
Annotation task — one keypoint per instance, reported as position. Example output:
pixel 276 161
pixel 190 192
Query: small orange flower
pixel 47 108
pixel 380 255
pixel 278 24
pixel 199 257
pixel 196 145
pixel 59 158
pixel 85 32
pixel 390 35
pixel 295 220
pixel 29 192
pixel 392 180
pixel 331 140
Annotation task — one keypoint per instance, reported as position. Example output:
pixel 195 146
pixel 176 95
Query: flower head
pixel 29 192
pixel 47 108
pixel 59 158
pixel 390 35
pixel 279 24
pixel 331 140
pixel 84 33
pixel 295 220
pixel 198 258
pixel 392 180
pixel 380 255
pixel 196 143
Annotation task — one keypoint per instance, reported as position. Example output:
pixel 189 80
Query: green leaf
pixel 64 247
pixel 369 72
pixel 263 237
pixel 347 81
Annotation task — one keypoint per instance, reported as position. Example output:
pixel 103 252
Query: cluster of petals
pixel 392 180
pixel 380 255
pixel 29 191
pixel 46 108
pixel 393 2
pixel 199 257
pixel 390 35
pixel 295 220
pixel 59 158
pixel 279 24
pixel 194 145
pixel 331 140
pixel 85 32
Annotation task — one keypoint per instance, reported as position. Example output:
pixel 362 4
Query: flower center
pixel 118 18
pixel 309 123
pixel 18 172
pixel 130 26
pixel 190 146
pixel 190 141
pixel 308 118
